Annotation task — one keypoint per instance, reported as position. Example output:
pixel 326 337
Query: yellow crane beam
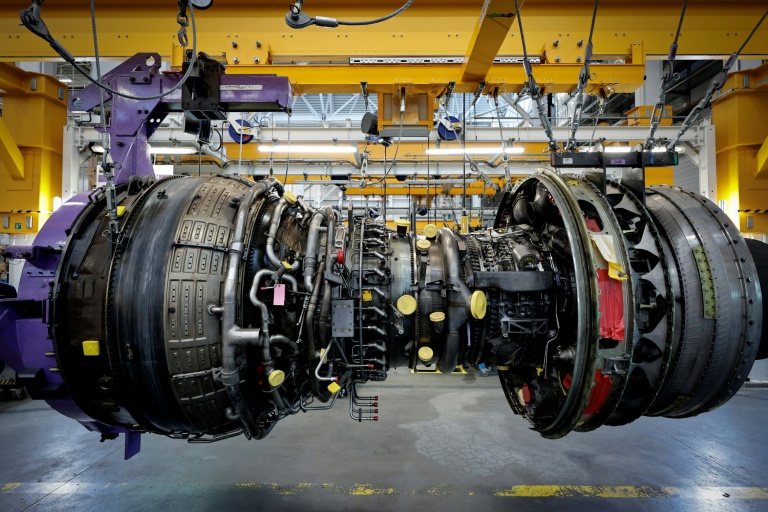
pixel 489 35
pixel 324 60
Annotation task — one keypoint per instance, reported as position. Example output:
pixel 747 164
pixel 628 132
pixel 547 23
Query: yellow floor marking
pixel 10 487
pixel 369 490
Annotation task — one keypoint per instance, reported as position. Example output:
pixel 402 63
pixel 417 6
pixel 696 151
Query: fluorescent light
pixel 65 80
pixel 617 149
pixel 473 151
pixel 308 149
pixel 163 170
pixel 678 149
pixel 171 150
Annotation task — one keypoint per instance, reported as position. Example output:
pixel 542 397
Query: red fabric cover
pixel 611 306
pixel 599 393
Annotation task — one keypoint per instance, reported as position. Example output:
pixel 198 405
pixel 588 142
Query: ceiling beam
pixel 490 32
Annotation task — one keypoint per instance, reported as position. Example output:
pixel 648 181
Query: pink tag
pixel 279 299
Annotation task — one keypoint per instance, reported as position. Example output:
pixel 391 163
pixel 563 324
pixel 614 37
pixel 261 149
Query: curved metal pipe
pixel 310 258
pixel 325 305
pixel 232 335
pixel 274 225
pixel 309 319
pixel 282 339
pixel 459 297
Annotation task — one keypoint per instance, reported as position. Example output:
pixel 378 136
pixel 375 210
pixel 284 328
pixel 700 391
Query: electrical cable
pixel 394 159
pixel 376 20
pixel 68 57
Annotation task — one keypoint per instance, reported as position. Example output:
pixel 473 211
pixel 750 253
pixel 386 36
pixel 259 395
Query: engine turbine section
pixel 224 305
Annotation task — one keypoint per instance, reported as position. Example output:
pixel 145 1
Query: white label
pixel 568 161
pixel 242 87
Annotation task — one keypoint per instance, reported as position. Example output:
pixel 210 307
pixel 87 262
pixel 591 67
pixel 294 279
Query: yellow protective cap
pixel 287 265
pixel 430 231
pixel 502 368
pixel 406 304
pixel 423 245
pixel 276 378
pixel 333 388
pixel 91 348
pixel 478 305
pixel 367 295
pixel 120 211
pixel 437 316
pixel 402 222
pixel 426 354
pixel 290 197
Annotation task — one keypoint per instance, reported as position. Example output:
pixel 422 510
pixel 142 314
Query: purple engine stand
pixel 25 340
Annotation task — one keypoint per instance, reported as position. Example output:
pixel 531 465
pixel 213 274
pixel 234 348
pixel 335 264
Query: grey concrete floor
pixel 442 442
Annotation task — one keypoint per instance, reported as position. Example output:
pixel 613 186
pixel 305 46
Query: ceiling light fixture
pixel 308 149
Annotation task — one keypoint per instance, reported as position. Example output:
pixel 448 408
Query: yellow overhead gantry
pixel 459 43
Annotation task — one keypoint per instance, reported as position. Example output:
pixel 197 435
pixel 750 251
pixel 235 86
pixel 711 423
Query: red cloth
pixel 611 306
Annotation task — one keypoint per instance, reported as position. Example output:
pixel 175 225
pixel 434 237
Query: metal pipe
pixel 232 335
pixel 282 339
pixel 459 296
pixel 325 305
pixel 310 258
pixel 309 320
pixel 274 225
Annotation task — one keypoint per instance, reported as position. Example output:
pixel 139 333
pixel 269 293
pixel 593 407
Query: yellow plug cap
pixel 478 305
pixel 426 354
pixel 91 348
pixel 502 368
pixel 367 295
pixel 406 304
pixel 430 231
pixel 276 378
pixel 286 264
pixel 437 316
pixel 403 223
pixel 333 388
pixel 120 211
pixel 290 197
pixel 423 245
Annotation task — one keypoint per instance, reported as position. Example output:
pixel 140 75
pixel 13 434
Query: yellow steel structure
pixel 742 138
pixel 317 59
pixel 31 139
pixel 487 38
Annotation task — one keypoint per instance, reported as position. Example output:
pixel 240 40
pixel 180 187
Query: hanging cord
pixel 666 76
pixel 533 87
pixel 288 153
pixel 583 79
pixel 297 19
pixel 30 18
pixel 714 88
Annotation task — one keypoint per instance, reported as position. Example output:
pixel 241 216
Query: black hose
pixel 377 20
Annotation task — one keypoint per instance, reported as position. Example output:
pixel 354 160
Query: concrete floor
pixel 442 442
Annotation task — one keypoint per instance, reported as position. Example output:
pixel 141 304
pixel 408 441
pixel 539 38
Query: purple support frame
pixel 24 338
pixel 134 121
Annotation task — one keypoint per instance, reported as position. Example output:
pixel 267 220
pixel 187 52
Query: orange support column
pixel 31 138
pixel 739 115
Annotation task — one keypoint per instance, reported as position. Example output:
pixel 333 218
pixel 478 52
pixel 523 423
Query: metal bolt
pixel 557 59
pixel 256 60
pixel 234 44
pixel 580 42
pixel 556 43
pixel 258 44
pixel 236 60
pixel 578 59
